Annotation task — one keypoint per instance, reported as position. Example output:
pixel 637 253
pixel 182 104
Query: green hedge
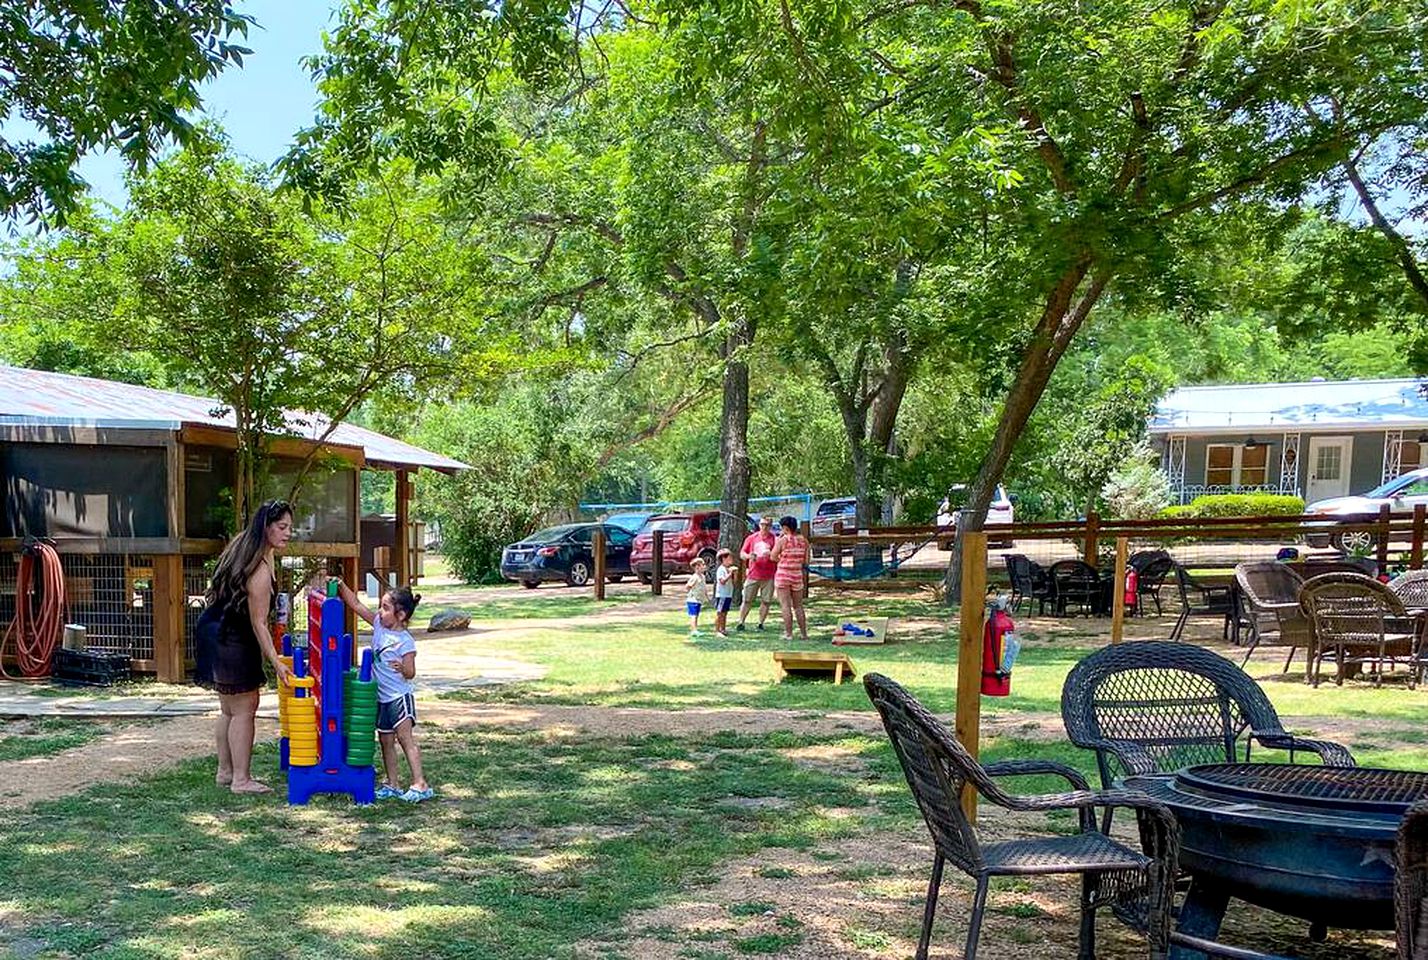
pixel 1238 505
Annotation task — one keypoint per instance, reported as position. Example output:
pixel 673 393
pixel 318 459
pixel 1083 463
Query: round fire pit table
pixel 1312 842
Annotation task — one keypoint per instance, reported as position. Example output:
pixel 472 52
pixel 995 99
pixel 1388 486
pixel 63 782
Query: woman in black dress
pixel 233 638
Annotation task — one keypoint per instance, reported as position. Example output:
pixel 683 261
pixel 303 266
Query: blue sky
pixel 262 104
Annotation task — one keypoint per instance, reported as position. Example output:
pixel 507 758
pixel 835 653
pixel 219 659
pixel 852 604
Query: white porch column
pixel 1175 465
pixel 1392 454
pixel 1289 464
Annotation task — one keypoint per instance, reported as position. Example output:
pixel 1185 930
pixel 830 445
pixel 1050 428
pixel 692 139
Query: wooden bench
pixel 802 661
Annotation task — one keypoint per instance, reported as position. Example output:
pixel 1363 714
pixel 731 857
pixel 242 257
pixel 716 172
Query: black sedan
pixel 564 553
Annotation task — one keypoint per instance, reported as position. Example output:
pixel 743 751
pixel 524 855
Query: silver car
pixel 1401 494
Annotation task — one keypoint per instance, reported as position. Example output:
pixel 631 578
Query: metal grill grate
pixel 1343 787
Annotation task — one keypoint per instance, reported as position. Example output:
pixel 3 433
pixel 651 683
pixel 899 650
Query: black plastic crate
pixel 91 668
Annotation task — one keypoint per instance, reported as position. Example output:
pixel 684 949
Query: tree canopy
pixel 85 75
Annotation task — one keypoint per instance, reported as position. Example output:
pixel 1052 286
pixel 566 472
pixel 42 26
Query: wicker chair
pixel 1138 885
pixel 1154 706
pixel 1411 589
pixel 1410 885
pixel 1199 600
pixel 1029 582
pixel 1269 605
pixel 1151 569
pixel 1361 622
pixel 1075 582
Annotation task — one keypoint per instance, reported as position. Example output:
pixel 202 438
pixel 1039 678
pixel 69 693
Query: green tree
pixel 85 75
pixel 291 322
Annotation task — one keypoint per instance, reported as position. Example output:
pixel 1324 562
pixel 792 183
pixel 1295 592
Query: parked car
pixel 565 553
pixel 630 521
pixel 686 536
pixel 999 512
pixel 1401 494
pixel 830 512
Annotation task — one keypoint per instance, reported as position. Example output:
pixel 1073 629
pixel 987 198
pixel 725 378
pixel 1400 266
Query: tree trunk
pixel 1061 317
pixel 734 436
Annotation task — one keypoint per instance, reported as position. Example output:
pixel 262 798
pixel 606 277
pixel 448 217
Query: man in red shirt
pixel 757 553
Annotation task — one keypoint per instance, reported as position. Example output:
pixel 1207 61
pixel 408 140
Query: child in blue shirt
pixel 393 666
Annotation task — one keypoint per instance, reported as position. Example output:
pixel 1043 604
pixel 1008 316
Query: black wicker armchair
pixel 1410 884
pixel 1269 605
pixel 1075 583
pixel 1155 706
pixel 1138 885
pixel 1029 582
pixel 1151 569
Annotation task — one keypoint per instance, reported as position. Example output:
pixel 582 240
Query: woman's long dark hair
pixel 243 554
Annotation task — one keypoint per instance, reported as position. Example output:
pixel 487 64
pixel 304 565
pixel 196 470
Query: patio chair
pixel 1151 569
pixel 1200 600
pixel 1154 706
pixel 1269 606
pixel 1029 582
pixel 1362 622
pixel 1138 885
pixel 1075 582
pixel 1410 884
pixel 1411 588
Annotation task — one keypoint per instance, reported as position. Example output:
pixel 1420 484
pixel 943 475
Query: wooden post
pixel 969 653
pixel 803 528
pixel 1385 517
pixel 657 573
pixel 170 601
pixel 597 548
pixel 401 546
pixel 1092 547
pixel 838 552
pixel 349 577
pixel 1118 592
pixel 1415 559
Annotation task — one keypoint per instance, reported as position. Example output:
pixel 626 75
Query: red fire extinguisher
pixel 1132 587
pixel 999 650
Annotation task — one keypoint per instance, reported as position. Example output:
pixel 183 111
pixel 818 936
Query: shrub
pixel 1138 490
pixel 1238 505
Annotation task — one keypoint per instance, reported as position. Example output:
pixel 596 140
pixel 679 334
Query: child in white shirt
pixel 696 594
pixel 723 590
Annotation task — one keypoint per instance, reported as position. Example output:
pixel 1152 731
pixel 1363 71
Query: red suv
pixel 686 536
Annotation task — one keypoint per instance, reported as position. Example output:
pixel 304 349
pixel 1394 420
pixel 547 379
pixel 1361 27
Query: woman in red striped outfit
pixel 790 554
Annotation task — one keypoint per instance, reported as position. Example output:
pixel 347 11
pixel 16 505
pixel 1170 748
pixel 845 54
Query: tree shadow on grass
pixel 535 844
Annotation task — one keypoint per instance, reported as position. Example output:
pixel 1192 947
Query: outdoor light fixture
pixel 1423 438
pixel 1251 443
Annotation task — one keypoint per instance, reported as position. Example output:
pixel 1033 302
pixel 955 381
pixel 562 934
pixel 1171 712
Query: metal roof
pixel 1315 405
pixel 40 398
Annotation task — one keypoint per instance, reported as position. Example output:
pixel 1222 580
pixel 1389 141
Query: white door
pixel 1329 459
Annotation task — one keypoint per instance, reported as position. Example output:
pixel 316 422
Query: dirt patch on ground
pixel 862 898
pixel 132 752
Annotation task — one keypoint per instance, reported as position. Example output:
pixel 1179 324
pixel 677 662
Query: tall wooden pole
pixel 597 550
pixel 1415 559
pixel 401 544
pixel 1091 548
pixel 657 559
pixel 969 653
pixel 1118 592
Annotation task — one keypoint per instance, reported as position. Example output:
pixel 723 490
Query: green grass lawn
pixel 537 844
pixel 46 736
pixel 543 844
pixel 648 662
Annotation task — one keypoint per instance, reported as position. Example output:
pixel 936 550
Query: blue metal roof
pixel 1315 405
pixel 40 398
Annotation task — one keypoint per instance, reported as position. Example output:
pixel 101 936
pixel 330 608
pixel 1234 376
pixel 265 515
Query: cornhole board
pixel 809 662
pixel 880 626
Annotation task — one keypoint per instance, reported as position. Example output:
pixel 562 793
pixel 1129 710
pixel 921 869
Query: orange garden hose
pixel 35 633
